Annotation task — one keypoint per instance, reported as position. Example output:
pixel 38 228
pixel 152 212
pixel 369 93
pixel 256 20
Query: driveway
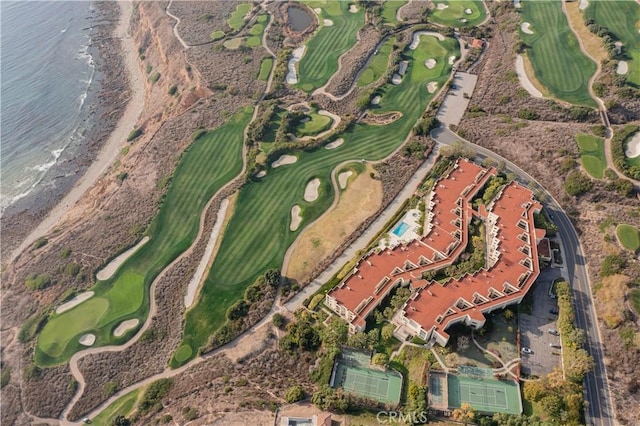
pixel 534 328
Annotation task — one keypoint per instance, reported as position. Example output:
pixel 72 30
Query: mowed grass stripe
pixel 555 54
pixel 622 18
pixel 205 167
pixel 258 234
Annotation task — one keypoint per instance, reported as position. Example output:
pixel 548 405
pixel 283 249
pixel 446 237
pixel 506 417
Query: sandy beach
pixel 111 147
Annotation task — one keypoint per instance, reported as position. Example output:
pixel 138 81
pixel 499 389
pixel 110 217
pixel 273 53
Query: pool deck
pixel 411 218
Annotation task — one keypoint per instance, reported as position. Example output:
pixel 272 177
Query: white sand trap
pixel 633 146
pixel 618 45
pixel 583 4
pixel 442 6
pixel 375 100
pixel 452 60
pixel 304 120
pixel 284 160
pixel 463 20
pixel 516 4
pixel 292 74
pixel 468 11
pixel 74 302
pixel 623 68
pixel 334 144
pixel 343 178
pixel 261 174
pixel 327 23
pixel 430 63
pixel 295 218
pixel 108 271
pixel 87 339
pixel 311 191
pixel 403 67
pixel 432 87
pixel 396 79
pixel 317 10
pixel 524 78
pixel 353 8
pixel 526 28
pixel 125 326
pixel 192 288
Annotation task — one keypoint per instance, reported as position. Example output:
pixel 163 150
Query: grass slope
pixel 592 154
pixel 622 18
pixel 211 161
pixel 452 15
pixel 628 236
pixel 258 234
pixel 237 17
pixel 265 68
pixel 390 11
pixel 555 54
pixel 378 65
pixel 122 406
pixel 320 61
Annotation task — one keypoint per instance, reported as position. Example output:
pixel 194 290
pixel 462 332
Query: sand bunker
pixel 108 271
pixel 463 20
pixel 295 218
pixel 353 8
pixel 343 178
pixel 618 45
pixel 516 4
pixel 526 28
pixel 233 43
pixel 311 191
pixel 327 23
pixel 261 174
pixel 396 79
pixel 125 326
pixel 403 67
pixel 452 60
pixel 432 87
pixel 583 4
pixel 192 288
pixel 442 6
pixel 87 339
pixel 74 302
pixel 292 74
pixel 524 78
pixel 334 144
pixel 317 10
pixel 430 63
pixel 633 146
pixel 623 67
pixel 284 160
pixel 375 100
pixel 468 11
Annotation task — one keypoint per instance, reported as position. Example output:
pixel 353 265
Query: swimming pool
pixel 400 229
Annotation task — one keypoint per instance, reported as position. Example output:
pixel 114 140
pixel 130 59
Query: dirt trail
pixel 175 27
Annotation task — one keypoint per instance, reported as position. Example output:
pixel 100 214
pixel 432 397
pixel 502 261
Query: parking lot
pixel 455 102
pixel 534 328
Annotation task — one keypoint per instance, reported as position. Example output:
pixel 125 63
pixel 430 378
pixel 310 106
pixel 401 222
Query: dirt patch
pixel 74 302
pixel 361 199
pixel 311 191
pixel 381 119
pixel 108 271
pixel 125 326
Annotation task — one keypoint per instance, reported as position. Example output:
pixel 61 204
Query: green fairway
pixel 622 18
pixel 265 68
pixel 455 13
pixel 258 234
pixel 628 236
pixel 378 65
pixel 555 54
pixel 329 42
pixel 211 161
pixel 592 154
pixel 317 124
pixel 237 17
pixel 390 11
pixel 122 406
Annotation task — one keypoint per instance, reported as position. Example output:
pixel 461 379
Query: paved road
pixel 600 410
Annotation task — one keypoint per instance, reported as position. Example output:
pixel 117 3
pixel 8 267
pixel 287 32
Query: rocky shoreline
pixel 107 100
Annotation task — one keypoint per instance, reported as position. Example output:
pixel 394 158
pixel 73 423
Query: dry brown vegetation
pixel 199 19
pixel 610 296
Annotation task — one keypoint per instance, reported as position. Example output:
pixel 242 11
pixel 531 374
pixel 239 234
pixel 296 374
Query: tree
pixel 509 314
pixel 535 390
pixel 380 359
pixel 294 394
pixel 278 320
pixel 335 334
pixel 465 414
pixel 121 421
pixel 579 364
pixel 357 340
pixel 577 183
pixel 387 332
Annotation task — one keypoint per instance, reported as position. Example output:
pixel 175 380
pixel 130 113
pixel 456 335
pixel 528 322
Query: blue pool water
pixel 401 229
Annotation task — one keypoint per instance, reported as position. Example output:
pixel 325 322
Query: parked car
pixel 555 345
pixel 526 351
pixel 553 311
pixel 553 331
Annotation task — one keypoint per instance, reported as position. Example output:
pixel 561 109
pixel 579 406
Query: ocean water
pixel 47 72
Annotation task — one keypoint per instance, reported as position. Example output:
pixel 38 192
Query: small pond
pixel 299 19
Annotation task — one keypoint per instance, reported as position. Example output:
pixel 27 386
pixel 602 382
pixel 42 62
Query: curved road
pixel 600 408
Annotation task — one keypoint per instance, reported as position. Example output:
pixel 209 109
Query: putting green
pixel 628 236
pixel 378 65
pixel 258 234
pixel 265 68
pixel 183 352
pixel 390 11
pixel 622 18
pixel 237 17
pixel 320 61
pixel 455 13
pixel 555 54
pixel 317 124
pixel 592 154
pixel 210 162
pixel 217 35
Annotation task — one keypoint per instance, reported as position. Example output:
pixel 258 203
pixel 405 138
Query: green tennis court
pixel 491 396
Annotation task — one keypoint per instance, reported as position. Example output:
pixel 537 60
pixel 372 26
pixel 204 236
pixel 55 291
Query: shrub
pixel 122 176
pixel 153 395
pixel 315 301
pixel 5 376
pixel 109 389
pixel 612 265
pixel 40 243
pixel 135 134
pixel 154 77
pixel 173 90
pixel 189 413
pixel 278 320
pixel 294 394
pixel 577 183
pixel 527 114
pixel 72 269
pixel 380 359
pixel 38 282
pixel 65 253
pixel 32 372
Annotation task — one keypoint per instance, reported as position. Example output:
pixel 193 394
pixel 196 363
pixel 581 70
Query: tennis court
pixel 484 395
